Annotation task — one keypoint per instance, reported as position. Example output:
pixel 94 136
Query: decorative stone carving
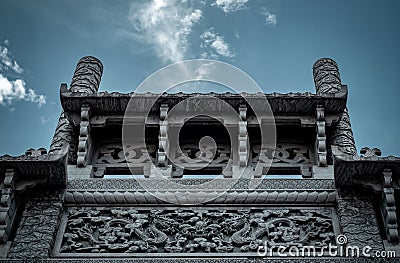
pixel 284 153
pixel 243 184
pixel 212 230
pixel 162 159
pixel 359 224
pixel 388 208
pixel 65 134
pixel 119 197
pixel 243 137
pixel 343 135
pixel 112 153
pixel 8 205
pixel 321 137
pixel 33 152
pixel 327 80
pixel 326 76
pixel 87 75
pixel 37 228
pixel 191 150
pixel 85 140
pixel 368 153
pixel 204 259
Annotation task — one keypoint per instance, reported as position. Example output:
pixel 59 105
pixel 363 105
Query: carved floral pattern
pixel 221 154
pixel 36 232
pixel 113 153
pixel 132 230
pixel 358 224
pixel 283 153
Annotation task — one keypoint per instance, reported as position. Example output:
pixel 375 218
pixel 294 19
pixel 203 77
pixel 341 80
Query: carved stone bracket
pixel 84 146
pixel 8 205
pixel 321 137
pixel 243 137
pixel 388 208
pixel 162 160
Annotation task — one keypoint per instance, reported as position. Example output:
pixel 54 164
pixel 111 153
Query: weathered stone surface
pixel 37 229
pixel 185 230
pixel 305 189
pixel 87 75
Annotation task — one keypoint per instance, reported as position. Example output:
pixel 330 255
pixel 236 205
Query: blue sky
pixel 275 41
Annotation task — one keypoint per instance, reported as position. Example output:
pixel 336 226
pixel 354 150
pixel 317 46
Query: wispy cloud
pixel 45 119
pixel 165 25
pixel 269 18
pixel 11 90
pixel 230 6
pixel 215 44
pixel 6 63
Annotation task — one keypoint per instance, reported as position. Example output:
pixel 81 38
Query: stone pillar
pixel 65 134
pixel 86 79
pixel 87 75
pixel 326 76
pixel 327 80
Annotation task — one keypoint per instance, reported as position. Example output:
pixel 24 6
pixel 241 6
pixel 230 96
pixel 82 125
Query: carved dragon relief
pixel 141 230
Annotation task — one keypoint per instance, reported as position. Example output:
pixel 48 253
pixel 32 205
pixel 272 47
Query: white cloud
pixel 269 18
pixel 11 90
pixel 7 63
pixel 217 44
pixel 229 6
pixel 165 25
pixel 6 42
pixel 45 119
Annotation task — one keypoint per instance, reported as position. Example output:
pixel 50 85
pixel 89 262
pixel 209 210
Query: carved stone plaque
pixel 129 232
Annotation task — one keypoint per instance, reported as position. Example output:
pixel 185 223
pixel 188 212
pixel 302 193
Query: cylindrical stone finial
pixel 87 75
pixel 326 76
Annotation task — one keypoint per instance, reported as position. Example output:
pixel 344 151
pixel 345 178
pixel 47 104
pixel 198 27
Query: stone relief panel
pixel 359 223
pixel 90 231
pixel 37 228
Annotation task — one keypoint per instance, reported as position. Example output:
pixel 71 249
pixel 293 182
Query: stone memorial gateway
pixel 200 188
